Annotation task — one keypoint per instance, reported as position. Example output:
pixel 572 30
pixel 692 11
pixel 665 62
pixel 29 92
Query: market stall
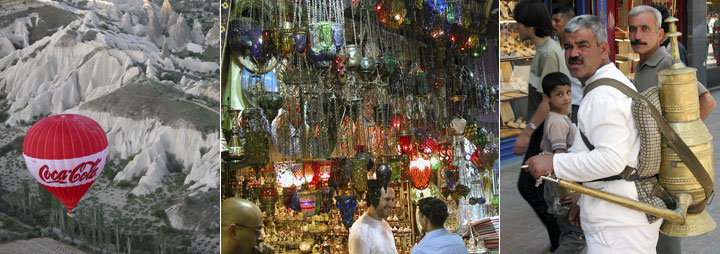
pixel 515 56
pixel 321 96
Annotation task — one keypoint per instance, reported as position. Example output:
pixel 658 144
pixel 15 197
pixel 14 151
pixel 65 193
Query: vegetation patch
pixel 14 145
pixel 142 99
pixel 89 35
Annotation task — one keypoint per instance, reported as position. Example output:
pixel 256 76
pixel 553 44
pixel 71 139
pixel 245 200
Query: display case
pixel 515 56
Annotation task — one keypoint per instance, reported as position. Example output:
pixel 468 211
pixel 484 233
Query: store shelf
pixel 515 58
pixel 627 57
pixel 510 132
pixel 512 95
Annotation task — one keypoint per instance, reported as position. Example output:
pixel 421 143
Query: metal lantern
pixel 287 38
pixel 257 142
pixel 367 66
pixel 268 197
pixel 339 176
pixel 383 173
pixel 353 55
pixel 301 40
pixel 359 174
pixel 327 194
pixel 338 35
pixel 239 38
pixel 396 164
pixel 271 102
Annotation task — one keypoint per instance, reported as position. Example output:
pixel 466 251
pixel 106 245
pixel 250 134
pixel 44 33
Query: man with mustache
pixel 646 34
pixel 560 16
pixel 534 24
pixel 605 118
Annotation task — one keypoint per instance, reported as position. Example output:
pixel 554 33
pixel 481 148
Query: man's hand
pixel 264 248
pixel 570 199
pixel 540 165
pixel 574 215
pixel 522 142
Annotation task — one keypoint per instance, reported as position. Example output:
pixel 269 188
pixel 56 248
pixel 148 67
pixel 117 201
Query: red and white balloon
pixel 66 153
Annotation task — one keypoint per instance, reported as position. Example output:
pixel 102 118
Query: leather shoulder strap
pixel 586 141
pixel 683 151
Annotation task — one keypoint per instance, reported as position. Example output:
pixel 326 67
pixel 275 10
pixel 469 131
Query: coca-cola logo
pixel 82 172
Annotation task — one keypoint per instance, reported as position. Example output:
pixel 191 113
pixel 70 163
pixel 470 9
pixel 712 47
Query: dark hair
pixel 553 80
pixel 566 12
pixel 434 209
pixel 533 13
pixel 374 192
pixel 664 13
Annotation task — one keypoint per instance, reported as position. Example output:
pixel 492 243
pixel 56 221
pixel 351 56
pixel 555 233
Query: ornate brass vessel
pixel 680 106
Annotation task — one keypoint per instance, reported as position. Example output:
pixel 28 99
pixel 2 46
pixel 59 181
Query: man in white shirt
pixel 605 118
pixel 371 233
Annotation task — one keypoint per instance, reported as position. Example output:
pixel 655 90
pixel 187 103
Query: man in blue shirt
pixel 433 213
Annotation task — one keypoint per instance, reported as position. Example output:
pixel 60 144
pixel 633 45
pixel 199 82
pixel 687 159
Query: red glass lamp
pixel 429 145
pixel 405 138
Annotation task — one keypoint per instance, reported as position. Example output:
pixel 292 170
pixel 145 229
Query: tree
pixel 59 212
pixel 117 239
pixel 93 226
pixel 26 194
pixel 101 225
pixel 46 198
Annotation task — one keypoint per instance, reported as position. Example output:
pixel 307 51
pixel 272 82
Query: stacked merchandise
pixel 488 230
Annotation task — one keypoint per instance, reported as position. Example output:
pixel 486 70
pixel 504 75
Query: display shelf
pixel 513 88
pixel 516 58
pixel 512 95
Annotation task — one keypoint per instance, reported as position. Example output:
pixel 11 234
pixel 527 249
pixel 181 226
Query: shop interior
pixel 319 96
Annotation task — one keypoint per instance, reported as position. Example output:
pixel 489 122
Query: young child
pixel 558 136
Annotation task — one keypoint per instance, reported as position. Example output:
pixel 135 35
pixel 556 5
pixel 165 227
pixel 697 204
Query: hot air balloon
pixel 66 153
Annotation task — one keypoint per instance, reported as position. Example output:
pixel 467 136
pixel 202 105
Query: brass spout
pixel 678 215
